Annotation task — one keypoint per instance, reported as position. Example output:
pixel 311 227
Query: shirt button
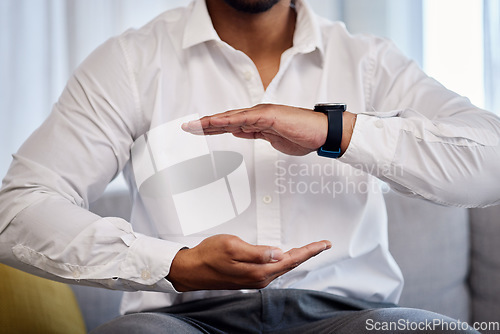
pixel 76 274
pixel 248 75
pixel 267 199
pixel 145 274
pixel 379 124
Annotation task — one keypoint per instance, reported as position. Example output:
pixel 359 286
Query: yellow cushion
pixel 30 304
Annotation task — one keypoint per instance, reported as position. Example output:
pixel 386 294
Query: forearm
pixel 452 161
pixel 422 138
pixel 66 164
pixel 52 237
pixel 348 123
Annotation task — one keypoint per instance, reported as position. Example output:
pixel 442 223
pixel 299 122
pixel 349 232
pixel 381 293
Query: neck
pixel 263 36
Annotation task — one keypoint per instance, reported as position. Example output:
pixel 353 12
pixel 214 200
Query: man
pixel 216 55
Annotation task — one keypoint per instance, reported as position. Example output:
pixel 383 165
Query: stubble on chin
pixel 251 6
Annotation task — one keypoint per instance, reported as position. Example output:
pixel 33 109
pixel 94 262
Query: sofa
pixel 449 258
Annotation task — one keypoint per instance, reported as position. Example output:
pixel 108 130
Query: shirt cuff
pixel 148 262
pixel 373 143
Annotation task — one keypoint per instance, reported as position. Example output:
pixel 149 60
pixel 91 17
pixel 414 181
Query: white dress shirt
pixel 411 132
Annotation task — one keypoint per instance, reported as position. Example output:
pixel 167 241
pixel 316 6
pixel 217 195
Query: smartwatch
pixel 334 112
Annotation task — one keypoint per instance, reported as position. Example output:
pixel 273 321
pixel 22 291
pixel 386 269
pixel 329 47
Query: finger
pixel 214 125
pixel 193 127
pixel 229 112
pixel 290 260
pixel 254 119
pixel 221 119
pixel 205 121
pixel 248 135
pixel 198 125
pixel 257 107
pixel 294 257
pixel 217 131
pixel 253 254
pixel 236 111
pixel 251 120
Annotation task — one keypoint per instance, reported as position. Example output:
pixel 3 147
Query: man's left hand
pixel 290 130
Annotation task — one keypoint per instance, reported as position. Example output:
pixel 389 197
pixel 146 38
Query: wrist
pixel 335 113
pixel 177 267
pixel 349 121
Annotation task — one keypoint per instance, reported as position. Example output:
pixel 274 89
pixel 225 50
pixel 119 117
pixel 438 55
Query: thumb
pixel 259 254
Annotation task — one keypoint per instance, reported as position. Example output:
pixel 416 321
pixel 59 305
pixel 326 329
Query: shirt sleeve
pixel 423 139
pixel 45 227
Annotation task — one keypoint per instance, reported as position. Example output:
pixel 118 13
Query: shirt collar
pixel 199 27
pixel 307 37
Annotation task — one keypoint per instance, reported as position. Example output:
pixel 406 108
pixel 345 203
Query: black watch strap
pixel 334 112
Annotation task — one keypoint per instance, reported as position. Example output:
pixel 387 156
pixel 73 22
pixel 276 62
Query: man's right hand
pixel 225 262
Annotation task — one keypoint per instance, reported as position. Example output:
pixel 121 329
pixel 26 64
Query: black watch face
pixel 324 107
